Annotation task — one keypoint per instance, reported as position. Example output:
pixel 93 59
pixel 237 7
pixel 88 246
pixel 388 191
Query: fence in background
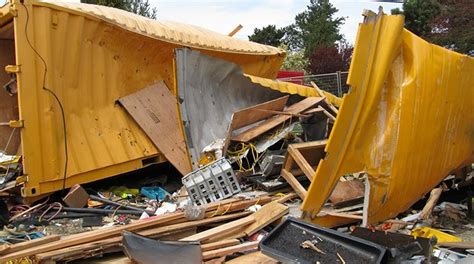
pixel 334 83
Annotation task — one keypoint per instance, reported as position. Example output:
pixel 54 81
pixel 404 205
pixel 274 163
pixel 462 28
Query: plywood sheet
pixel 155 110
pixel 346 191
pixel 252 114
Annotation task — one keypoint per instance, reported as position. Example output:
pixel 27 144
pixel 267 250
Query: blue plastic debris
pixel 155 193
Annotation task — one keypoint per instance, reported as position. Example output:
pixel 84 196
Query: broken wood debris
pixel 277 120
pixel 310 244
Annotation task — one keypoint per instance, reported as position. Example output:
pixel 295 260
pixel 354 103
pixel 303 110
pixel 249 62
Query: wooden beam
pixel 431 203
pixel 229 250
pixel 316 145
pixel 299 189
pixel 313 111
pixel 344 215
pixel 222 229
pixel 281 113
pixel 219 244
pixel 287 197
pixel 327 113
pixel 277 120
pixel 464 244
pixel 301 161
pixel 216 208
pixel 334 98
pixel 254 258
pixel 5 249
pixel 235 30
pixel 265 216
pixel 70 251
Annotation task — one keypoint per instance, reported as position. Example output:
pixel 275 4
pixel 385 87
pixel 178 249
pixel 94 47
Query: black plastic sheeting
pixel 145 250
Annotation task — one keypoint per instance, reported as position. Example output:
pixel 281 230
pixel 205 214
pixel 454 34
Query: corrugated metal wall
pixel 90 64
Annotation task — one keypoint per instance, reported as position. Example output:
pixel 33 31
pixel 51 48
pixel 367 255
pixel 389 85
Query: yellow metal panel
pixel 284 87
pixel 408 120
pixel 94 56
pixel 293 88
pixel 172 32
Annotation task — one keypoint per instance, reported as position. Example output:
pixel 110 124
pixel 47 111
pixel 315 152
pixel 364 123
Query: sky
pixel 224 15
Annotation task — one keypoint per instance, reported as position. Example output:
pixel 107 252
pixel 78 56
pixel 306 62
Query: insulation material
pixel 408 120
pixel 210 91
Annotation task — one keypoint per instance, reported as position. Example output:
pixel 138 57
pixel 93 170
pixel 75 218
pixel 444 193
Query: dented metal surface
pixel 408 120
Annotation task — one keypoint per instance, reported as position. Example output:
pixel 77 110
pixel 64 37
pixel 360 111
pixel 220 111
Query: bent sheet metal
pixel 408 120
pixel 90 56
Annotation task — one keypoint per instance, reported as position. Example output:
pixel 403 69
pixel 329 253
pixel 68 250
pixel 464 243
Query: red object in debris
pixel 291 76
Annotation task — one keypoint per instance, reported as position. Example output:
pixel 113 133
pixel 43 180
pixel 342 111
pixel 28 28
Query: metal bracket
pixel 16 123
pixel 13 10
pixel 21 179
pixel 13 68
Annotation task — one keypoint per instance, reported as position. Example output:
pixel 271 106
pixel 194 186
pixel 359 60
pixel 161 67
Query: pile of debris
pixel 242 205
pixel 72 239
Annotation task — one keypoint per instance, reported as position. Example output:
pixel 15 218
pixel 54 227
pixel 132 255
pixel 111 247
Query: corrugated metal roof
pixel 284 87
pixel 293 88
pixel 172 32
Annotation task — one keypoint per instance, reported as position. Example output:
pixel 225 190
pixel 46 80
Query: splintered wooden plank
pixel 268 214
pixel 154 109
pixel 273 122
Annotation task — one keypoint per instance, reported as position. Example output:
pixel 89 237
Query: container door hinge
pixel 12 68
pixel 13 10
pixel 16 123
pixel 21 179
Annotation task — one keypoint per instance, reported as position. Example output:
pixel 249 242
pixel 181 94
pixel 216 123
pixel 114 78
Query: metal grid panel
pixel 335 83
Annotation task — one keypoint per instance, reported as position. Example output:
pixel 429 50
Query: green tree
pixel 448 23
pixel 315 26
pixel 140 7
pixel 418 15
pixel 453 27
pixel 269 35
pixel 294 60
